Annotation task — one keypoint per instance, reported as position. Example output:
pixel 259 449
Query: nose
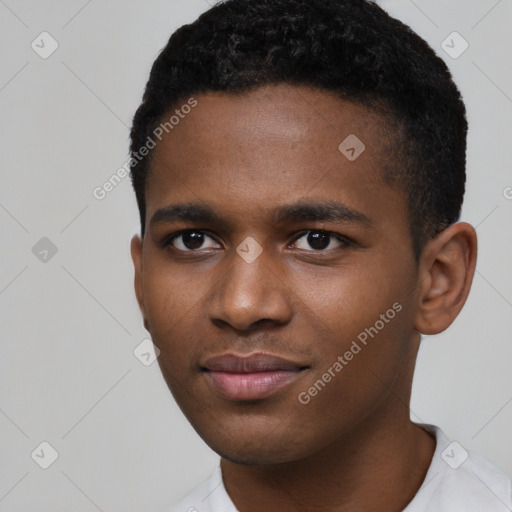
pixel 250 294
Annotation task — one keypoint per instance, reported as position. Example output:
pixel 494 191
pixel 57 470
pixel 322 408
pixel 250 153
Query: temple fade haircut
pixel 352 48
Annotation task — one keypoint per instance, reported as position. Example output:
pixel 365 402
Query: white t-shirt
pixel 456 481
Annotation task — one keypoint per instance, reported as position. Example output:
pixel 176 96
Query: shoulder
pixel 192 501
pixel 460 480
pixel 209 496
pixel 480 482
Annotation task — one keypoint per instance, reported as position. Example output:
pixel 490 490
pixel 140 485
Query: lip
pixel 252 377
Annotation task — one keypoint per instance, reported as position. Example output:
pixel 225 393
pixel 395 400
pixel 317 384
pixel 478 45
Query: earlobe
pixel 447 268
pixel 136 247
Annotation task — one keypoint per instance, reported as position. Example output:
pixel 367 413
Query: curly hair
pixel 350 47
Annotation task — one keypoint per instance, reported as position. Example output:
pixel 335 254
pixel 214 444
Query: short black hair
pixel 349 47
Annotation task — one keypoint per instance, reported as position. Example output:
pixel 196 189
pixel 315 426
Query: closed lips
pixel 250 364
pixel 253 377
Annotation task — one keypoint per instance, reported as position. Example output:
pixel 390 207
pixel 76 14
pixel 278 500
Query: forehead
pixel 274 145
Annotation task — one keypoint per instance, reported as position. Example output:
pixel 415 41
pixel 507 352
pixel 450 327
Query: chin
pixel 254 457
pixel 244 459
pixel 259 450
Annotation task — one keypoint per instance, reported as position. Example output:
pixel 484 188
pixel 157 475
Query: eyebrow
pixel 189 212
pixel 319 211
pixel 299 211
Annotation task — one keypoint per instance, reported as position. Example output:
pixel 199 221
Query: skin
pixel 353 446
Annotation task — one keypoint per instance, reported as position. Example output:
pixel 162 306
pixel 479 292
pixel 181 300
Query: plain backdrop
pixel 69 320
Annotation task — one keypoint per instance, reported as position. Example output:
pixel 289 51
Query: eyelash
pixel 345 241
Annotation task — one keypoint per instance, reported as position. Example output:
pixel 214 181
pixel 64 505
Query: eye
pixel 321 240
pixel 190 241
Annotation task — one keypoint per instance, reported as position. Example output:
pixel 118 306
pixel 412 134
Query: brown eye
pixel 320 240
pixel 191 241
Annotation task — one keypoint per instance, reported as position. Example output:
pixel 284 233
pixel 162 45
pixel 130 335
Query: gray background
pixel 70 324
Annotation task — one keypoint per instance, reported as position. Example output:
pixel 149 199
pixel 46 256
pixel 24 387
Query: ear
pixel 446 270
pixel 136 247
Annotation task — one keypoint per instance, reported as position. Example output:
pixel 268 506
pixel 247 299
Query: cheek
pixel 347 301
pixel 170 291
pixel 356 373
pixel 171 302
pixel 363 321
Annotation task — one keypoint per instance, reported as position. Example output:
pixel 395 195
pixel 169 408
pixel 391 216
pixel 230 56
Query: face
pixel 276 272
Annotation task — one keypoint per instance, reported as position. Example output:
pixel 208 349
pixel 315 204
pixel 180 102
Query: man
pixel 299 167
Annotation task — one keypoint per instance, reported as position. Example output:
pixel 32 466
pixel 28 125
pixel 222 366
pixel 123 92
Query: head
pixel 299 168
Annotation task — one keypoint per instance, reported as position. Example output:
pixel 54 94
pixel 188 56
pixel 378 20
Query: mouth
pixel 252 377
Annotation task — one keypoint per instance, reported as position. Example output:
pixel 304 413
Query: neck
pixel 380 472
pixel 378 465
